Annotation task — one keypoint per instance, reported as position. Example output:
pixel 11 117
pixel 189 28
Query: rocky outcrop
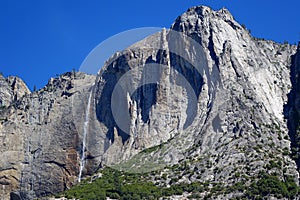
pixel 40 140
pixel 11 89
pixel 241 84
pixel 204 94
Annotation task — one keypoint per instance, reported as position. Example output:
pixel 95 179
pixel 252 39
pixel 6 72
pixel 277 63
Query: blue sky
pixel 42 38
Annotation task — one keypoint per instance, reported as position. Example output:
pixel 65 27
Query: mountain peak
pixel 206 10
pixel 202 14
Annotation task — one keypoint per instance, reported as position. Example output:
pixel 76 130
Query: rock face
pixel 11 89
pixel 205 92
pixel 40 140
pixel 292 110
pixel 241 86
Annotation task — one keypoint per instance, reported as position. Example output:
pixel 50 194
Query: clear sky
pixel 42 38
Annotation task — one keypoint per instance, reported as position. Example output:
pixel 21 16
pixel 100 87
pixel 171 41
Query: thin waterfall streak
pixel 85 132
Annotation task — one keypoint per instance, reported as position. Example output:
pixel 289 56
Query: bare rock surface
pixel 40 142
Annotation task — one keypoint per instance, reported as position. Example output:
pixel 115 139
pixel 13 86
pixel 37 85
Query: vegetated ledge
pixel 121 185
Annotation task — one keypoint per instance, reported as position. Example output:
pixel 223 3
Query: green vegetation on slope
pixel 266 186
pixel 121 185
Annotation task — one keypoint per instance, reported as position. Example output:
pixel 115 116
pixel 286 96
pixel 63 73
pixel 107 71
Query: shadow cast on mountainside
pixel 145 95
pixel 292 109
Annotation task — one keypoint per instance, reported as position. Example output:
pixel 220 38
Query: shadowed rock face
pixel 204 89
pixel 292 110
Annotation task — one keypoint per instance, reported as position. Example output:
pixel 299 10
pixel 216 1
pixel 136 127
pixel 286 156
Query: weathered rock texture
pixel 216 103
pixel 242 85
pixel 11 89
pixel 40 140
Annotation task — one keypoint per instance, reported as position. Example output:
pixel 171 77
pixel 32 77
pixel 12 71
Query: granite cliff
pixel 204 94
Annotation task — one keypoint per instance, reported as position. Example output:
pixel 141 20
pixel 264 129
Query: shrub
pixel 271 185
